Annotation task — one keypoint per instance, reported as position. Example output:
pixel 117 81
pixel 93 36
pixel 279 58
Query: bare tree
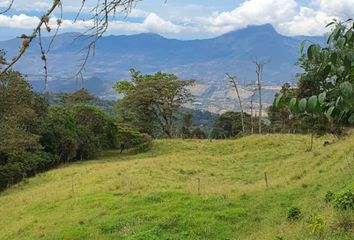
pixel 234 83
pixel 100 15
pixel 259 72
pixel 252 117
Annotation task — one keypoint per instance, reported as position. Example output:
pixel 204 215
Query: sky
pixel 186 19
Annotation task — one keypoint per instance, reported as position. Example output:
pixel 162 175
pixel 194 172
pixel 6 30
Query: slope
pixel 186 190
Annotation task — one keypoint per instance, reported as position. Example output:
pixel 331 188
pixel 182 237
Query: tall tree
pixel 156 98
pixel 259 72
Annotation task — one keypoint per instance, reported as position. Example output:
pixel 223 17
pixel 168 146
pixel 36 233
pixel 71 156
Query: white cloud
pixel 18 21
pixel 308 22
pixel 341 8
pixel 287 16
pixel 152 23
pixel 253 12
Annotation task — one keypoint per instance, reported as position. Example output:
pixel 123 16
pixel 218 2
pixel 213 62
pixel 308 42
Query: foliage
pixel 229 125
pixel 187 123
pixel 152 100
pixel 82 96
pixel 294 213
pixel 326 86
pixel 329 196
pixel 21 114
pixel 316 224
pixel 35 137
pixel 198 133
pixel 130 138
pixel 344 200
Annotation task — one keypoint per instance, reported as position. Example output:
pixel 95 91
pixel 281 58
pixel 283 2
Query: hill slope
pixel 156 195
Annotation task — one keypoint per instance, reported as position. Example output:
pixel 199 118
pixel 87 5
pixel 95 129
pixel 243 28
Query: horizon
pixel 48 35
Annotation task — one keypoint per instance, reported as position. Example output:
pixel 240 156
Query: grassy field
pixel 187 190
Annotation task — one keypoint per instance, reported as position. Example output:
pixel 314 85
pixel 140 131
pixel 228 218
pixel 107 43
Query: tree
pixel 234 84
pixel 259 72
pixel 326 86
pixel 228 125
pixel 80 96
pixel 187 123
pixel 21 114
pixel 198 133
pixel 154 99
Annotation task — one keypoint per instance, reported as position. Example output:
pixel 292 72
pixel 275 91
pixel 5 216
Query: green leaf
pixel 302 105
pixel 311 51
pixel 312 104
pixel 302 46
pixel 334 58
pixel 327 70
pixel 292 104
pixel 339 101
pixel 351 119
pixel 329 112
pixel 277 100
pixel 322 98
pixel 329 24
pixel 346 89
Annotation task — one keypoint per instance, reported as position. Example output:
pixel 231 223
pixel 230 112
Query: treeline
pixel 36 136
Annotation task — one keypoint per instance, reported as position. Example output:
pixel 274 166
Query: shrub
pixel 130 138
pixel 294 213
pixel 344 201
pixel 329 197
pixel 316 224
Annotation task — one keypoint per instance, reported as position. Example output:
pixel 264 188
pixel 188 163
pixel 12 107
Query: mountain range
pixel 205 60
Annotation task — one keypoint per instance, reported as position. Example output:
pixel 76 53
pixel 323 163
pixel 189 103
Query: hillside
pixel 155 195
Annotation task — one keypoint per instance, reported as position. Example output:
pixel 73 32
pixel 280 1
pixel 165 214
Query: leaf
pixel 292 104
pixel 327 70
pixel 351 119
pixel 322 98
pixel 277 100
pixel 311 51
pixel 329 112
pixel 302 105
pixel 334 57
pixel 339 101
pixel 329 24
pixel 302 46
pixel 337 33
pixel 312 104
pixel 346 89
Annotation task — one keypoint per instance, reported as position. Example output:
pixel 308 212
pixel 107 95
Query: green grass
pixel 156 195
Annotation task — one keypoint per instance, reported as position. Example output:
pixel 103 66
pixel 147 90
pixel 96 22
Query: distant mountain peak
pixel 253 30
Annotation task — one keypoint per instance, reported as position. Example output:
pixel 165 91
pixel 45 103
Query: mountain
pixel 205 60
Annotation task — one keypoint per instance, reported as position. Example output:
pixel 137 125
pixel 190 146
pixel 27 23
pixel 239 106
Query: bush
pixel 294 213
pixel 129 138
pixel 316 224
pixel 329 197
pixel 344 201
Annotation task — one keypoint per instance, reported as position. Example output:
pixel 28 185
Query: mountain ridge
pixel 205 60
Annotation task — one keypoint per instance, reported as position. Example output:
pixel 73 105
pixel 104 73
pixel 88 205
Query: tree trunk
pixel 233 81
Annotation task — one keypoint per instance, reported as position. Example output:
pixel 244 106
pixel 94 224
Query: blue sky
pixel 188 19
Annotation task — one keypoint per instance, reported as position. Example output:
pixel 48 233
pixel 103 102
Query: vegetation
pixel 35 137
pixel 157 194
pixel 326 88
pixel 152 101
